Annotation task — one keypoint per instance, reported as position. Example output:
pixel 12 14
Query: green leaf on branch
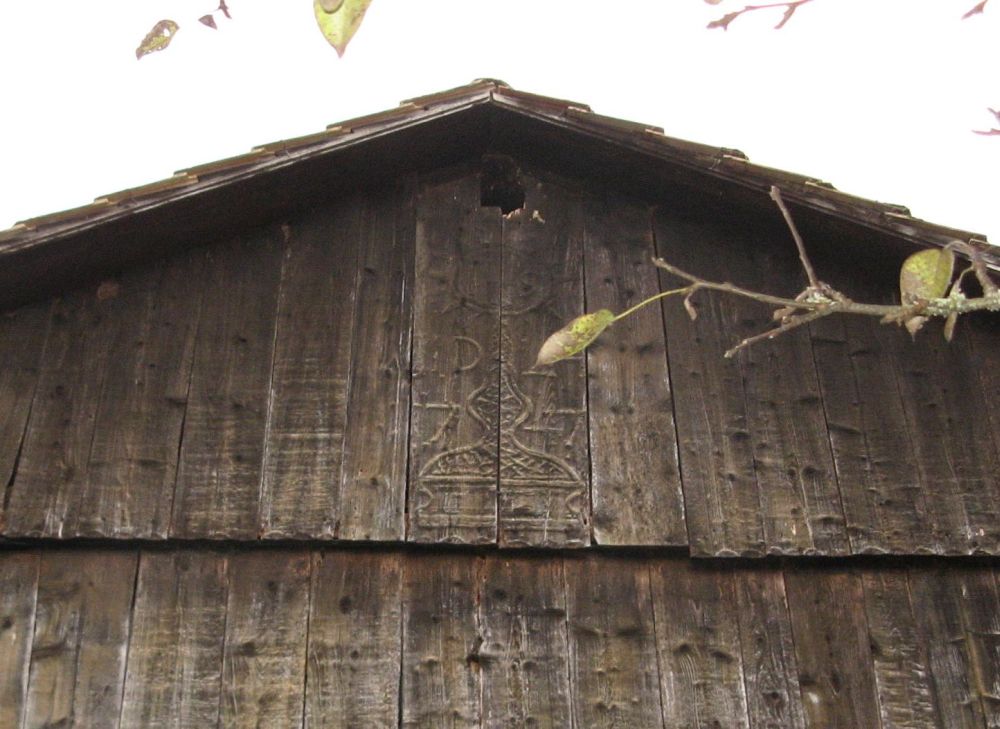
pixel 926 275
pixel 574 337
pixel 340 23
pixel 157 39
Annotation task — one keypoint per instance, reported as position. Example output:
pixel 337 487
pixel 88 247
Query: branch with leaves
pixel 927 283
pixel 792 6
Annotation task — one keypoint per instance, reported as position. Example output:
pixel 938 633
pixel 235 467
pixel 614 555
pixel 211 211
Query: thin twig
pixel 788 325
pixel 814 283
pixel 790 8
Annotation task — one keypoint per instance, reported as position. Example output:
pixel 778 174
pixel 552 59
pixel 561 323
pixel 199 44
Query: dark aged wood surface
pixel 347 637
pixel 364 371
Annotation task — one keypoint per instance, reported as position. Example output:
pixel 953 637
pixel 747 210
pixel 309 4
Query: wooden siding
pixel 344 637
pixel 364 371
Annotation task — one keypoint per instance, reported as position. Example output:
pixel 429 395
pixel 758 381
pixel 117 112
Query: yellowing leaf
pixel 926 275
pixel 157 39
pixel 340 24
pixel 574 337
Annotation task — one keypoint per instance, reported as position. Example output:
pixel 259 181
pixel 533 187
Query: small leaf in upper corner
pixel 208 20
pixel 340 24
pixel 157 39
pixel 925 275
pixel 574 337
pixel 724 21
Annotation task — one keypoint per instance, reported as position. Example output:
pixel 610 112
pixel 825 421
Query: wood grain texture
pixel 22 340
pixel 264 659
pixel 698 642
pixel 884 503
pixel 373 495
pixel 936 597
pixel 799 496
pixel 832 649
pixel 354 640
pixel 218 481
pixel 442 676
pixel 544 460
pixel 174 671
pixel 53 462
pixel 981 331
pixel 80 639
pixel 722 505
pixel 902 677
pixel 524 654
pixel 614 678
pixel 18 587
pixel 770 671
pixel 307 408
pixel 635 476
pixel 132 465
pixel 981 617
pixel 456 344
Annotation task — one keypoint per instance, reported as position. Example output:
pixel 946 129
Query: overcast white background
pixel 878 97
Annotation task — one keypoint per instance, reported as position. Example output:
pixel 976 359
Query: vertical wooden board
pixel 53 463
pixel 132 467
pixel 442 677
pixel 354 640
pixel 81 639
pixel 981 616
pixel 698 642
pixel 981 330
pixel 832 649
pixel 312 354
pixel 961 504
pixel 455 392
pixel 18 586
pixel 722 505
pixel 22 340
pixel 614 678
pixel 373 496
pixel 796 477
pixel 524 654
pixel 936 595
pixel 175 652
pixel 902 677
pixel 769 668
pixel 635 477
pixel 218 479
pixel 264 659
pixel 544 460
pixel 884 503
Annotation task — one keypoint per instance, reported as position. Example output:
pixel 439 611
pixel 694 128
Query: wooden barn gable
pixel 274 449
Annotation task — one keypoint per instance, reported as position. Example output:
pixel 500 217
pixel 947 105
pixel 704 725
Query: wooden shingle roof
pixel 274 450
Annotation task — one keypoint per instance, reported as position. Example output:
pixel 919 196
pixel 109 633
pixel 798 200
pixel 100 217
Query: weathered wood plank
pixel 957 466
pixel 981 331
pixel 635 477
pixel 905 694
pixel 796 477
pixel 981 616
pixel 22 340
pixel 614 679
pixel 544 460
pixel 717 470
pixel 264 659
pixel 373 496
pixel 884 503
pixel 442 681
pixel 132 467
pixel 307 409
pixel 354 641
pixel 56 448
pixel 18 587
pixel 769 668
pixel 698 642
pixel 524 654
pixel 175 652
pixel 936 596
pixel 832 649
pixel 80 640
pixel 218 481
pixel 456 330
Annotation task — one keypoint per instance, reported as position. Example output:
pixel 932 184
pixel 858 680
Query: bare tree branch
pixel 790 8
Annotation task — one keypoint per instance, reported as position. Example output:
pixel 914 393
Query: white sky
pixel 876 96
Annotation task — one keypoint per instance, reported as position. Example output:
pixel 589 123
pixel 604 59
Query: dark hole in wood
pixel 500 184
